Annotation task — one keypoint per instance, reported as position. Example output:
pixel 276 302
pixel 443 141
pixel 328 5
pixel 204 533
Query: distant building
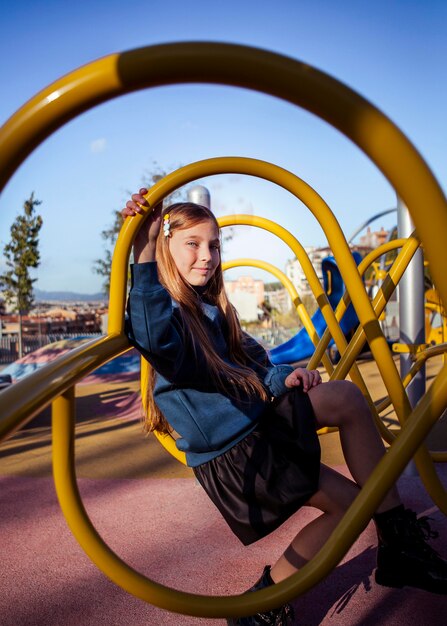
pixel 295 272
pixel 246 306
pixel 279 299
pixel 55 320
pixel 373 239
pixel 246 284
pixel 246 294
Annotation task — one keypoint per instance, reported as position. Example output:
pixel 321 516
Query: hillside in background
pixel 68 296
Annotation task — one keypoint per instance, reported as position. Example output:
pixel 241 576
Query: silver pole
pixel 199 195
pixel 411 313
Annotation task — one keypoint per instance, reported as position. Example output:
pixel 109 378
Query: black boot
pixel 276 617
pixel 404 558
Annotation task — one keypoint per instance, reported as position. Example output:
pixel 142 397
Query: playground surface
pixel 150 510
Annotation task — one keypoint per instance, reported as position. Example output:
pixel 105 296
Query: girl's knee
pixel 338 403
pixel 347 401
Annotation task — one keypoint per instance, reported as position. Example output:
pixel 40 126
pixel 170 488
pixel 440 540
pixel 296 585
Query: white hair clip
pixel 166 225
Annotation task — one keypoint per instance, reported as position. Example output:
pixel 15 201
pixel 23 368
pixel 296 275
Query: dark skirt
pixel 265 478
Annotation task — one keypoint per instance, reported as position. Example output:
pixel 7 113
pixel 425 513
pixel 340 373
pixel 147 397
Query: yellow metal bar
pixel 304 316
pixel 387 288
pixel 311 275
pixel 27 397
pixel 353 522
pixel 422 457
pixel 352 352
pixel 385 292
pixel 409 247
pixel 412 348
pixel 398 160
pixel 167 440
pixel 346 263
pixel 277 75
pixel 421 358
pixel 73 509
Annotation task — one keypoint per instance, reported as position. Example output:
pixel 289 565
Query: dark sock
pixel 265 581
pixel 268 578
pixel 382 518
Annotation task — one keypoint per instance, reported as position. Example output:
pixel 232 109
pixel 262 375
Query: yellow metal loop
pixel 371 131
pixel 260 70
pixel 304 316
pixel 167 440
pixel 333 232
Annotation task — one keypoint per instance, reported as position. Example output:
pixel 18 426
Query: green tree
pixel 22 254
pixel 103 266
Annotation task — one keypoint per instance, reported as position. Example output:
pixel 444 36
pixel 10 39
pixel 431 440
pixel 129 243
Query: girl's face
pixel 196 252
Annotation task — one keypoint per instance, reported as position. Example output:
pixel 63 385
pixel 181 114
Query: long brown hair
pixel 183 215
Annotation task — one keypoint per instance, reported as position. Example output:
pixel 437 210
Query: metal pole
pixel 411 313
pixel 200 195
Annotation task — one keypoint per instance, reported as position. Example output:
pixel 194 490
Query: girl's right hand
pixel 133 206
pixel 304 378
pixel 144 245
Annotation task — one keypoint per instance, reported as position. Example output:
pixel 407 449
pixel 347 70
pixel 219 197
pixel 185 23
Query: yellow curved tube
pixel 391 279
pixel 352 523
pixel 420 360
pixel 377 137
pixel 410 245
pixel 27 397
pixel 166 439
pixel 333 232
pixel 229 64
pixel 311 275
pixel 294 296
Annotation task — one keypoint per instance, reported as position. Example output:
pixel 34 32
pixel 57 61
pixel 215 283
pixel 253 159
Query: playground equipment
pixel 126 363
pixel 301 346
pixel 399 162
pixel 373 218
pixel 435 319
pixel 435 314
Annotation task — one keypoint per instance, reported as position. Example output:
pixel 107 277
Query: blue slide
pixel 300 346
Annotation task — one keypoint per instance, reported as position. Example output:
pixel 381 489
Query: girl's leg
pixel 404 556
pixel 335 495
pixel 341 403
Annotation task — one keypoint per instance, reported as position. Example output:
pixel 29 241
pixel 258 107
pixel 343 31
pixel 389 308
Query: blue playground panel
pixel 300 346
pixel 129 362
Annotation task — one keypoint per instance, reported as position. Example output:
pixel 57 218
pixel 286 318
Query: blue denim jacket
pixel 207 421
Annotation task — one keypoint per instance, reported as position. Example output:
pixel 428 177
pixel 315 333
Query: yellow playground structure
pixel 413 182
pixel 435 319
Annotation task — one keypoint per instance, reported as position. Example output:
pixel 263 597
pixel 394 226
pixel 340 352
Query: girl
pixel 248 428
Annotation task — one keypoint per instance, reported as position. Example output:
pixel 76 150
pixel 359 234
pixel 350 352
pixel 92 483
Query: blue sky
pixel 394 53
